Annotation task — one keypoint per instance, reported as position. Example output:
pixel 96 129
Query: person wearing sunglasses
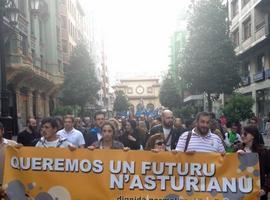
pixel 156 143
pixel 251 144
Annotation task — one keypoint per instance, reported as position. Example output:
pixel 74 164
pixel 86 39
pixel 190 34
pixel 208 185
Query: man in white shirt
pixel 50 139
pixel 72 135
pixel 200 139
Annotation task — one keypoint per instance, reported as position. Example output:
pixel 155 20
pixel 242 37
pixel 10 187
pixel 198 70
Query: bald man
pixel 166 128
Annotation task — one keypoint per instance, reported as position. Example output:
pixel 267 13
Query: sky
pixel 136 34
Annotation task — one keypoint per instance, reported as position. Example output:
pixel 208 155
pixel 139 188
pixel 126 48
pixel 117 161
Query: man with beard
pixel 169 133
pixel 30 136
pixel 200 139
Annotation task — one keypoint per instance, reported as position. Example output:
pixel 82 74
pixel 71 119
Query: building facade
pixel 250 26
pixel 141 92
pixel 74 26
pixel 78 25
pixel 34 62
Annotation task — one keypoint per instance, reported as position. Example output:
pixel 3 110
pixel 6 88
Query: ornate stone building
pixel 34 63
pixel 141 91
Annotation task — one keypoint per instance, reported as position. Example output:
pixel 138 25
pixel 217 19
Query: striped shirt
pixel 198 143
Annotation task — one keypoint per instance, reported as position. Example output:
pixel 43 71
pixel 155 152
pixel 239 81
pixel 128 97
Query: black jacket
pixel 174 134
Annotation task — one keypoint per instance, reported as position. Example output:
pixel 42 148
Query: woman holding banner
pixel 251 144
pixel 107 141
pixel 155 143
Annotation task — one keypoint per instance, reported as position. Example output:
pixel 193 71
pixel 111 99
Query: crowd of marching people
pixel 164 133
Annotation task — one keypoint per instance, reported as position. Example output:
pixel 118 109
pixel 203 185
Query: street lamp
pixel 35 6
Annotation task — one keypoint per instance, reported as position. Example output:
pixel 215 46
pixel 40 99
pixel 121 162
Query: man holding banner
pixel 200 139
pixel 72 135
pixel 50 139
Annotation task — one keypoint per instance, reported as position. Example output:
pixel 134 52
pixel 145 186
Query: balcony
pixel 23 24
pixel 259 76
pixel 245 80
pixel 267 73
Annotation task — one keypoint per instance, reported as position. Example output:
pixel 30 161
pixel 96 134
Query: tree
pixel 121 102
pixel 169 94
pixel 238 108
pixel 209 63
pixel 63 110
pixel 81 84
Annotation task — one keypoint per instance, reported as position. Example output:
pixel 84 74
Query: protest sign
pixel 57 173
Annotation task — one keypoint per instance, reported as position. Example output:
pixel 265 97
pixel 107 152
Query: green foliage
pixel 121 102
pixel 238 108
pixel 209 63
pixel 186 112
pixel 81 84
pixel 63 110
pixel 169 95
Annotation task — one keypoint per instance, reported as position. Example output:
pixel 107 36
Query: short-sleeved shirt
pixel 198 143
pixel 60 142
pixel 75 137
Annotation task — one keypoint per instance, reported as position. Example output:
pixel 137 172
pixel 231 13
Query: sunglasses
pixel 159 143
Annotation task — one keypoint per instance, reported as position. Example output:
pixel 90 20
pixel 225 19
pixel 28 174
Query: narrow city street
pixel 134 99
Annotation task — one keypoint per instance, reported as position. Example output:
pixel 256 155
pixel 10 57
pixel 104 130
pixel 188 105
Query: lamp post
pixel 35 6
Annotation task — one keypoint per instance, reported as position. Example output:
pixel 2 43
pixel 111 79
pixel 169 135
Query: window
pixel 41 61
pixel 33 57
pixel 149 90
pixel 40 31
pixel 32 26
pixel 22 7
pixel 235 37
pixel 234 6
pixel 246 69
pixel 24 45
pixel 247 29
pixel 58 34
pixel 245 2
pixel 63 22
pixel 260 63
pixel 64 46
pixel 129 90
pixel 59 66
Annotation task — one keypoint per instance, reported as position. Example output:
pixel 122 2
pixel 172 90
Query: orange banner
pixel 50 173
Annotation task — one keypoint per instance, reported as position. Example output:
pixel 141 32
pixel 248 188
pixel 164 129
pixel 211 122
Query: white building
pixel 250 21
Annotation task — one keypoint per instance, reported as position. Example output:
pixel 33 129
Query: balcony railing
pixel 260 25
pixel 245 80
pixel 259 76
pixel 267 73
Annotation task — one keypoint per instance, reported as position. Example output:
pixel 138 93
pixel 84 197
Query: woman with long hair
pixel 130 137
pixel 251 144
pixel 107 141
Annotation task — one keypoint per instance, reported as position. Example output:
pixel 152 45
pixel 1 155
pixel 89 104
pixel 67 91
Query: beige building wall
pixel 144 90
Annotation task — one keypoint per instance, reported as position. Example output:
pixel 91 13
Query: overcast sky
pixel 137 34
